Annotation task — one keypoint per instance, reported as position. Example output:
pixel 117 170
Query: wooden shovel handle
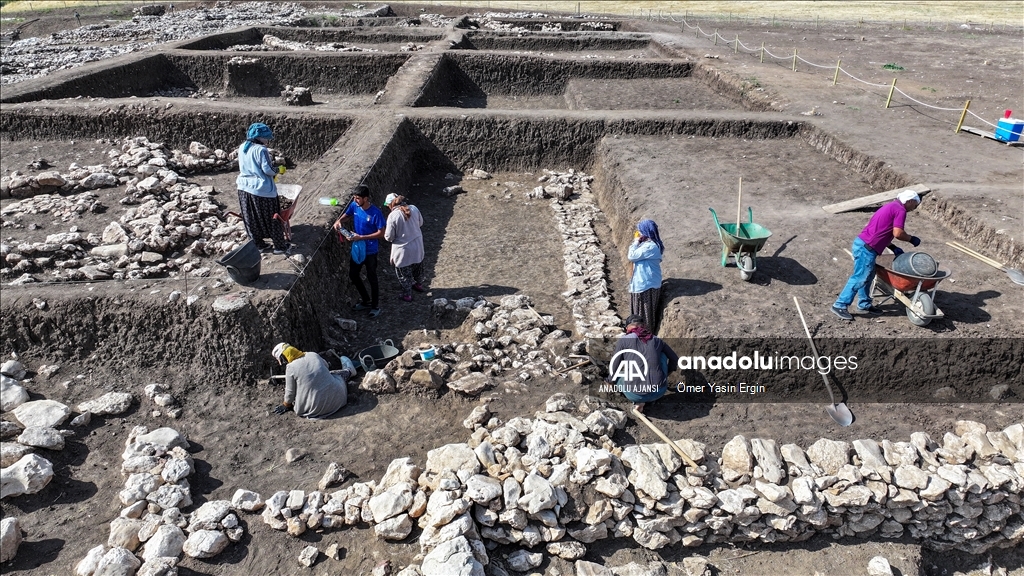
pixel 639 415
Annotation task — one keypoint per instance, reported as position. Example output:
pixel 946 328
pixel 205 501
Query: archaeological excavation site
pixel 481 434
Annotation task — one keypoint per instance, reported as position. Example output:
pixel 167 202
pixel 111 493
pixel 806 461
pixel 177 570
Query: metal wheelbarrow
pixel 743 242
pixel 373 356
pixel 917 293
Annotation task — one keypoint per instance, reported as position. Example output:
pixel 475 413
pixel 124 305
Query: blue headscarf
pixel 257 130
pixel 648 229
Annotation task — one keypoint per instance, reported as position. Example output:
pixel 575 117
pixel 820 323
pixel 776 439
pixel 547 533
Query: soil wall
pixel 555 43
pixel 130 75
pixel 527 75
pixel 344 73
pixel 254 36
pixel 308 136
pixel 515 143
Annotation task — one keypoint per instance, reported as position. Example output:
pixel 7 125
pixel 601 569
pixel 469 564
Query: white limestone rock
pixel 205 544
pixel 111 403
pixel 87 566
pixel 308 556
pixel 13 369
pixel 829 455
pixel 10 538
pixel 452 558
pixel 11 452
pixel 28 475
pixel 246 501
pixel 737 460
pixel 42 413
pixel 394 528
pixel 524 560
pixel 42 437
pixel 12 394
pixel 117 562
pixel 209 515
pixel 454 457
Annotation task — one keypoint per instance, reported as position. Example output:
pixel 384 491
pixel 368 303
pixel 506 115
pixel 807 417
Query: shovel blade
pixel 840 413
pixel 1016 276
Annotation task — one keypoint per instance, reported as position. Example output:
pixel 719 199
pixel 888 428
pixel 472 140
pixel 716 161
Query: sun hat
pixel 907 196
pixel 278 352
pixel 390 198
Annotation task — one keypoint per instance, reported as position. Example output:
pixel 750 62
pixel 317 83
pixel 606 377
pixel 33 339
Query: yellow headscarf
pixel 292 353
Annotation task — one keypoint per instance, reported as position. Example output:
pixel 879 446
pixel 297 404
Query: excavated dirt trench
pixel 142 336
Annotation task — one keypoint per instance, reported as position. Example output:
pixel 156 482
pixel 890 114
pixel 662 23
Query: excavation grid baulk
pixel 663 132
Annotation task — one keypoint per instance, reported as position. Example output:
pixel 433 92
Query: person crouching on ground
pixel 645 254
pixel 887 223
pixel 403 231
pixel 309 386
pixel 257 193
pixel 658 358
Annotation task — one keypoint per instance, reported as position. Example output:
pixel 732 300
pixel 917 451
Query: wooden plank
pixel 989 135
pixel 873 199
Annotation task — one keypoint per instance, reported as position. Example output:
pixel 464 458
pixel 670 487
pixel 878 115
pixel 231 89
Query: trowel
pixel 838 412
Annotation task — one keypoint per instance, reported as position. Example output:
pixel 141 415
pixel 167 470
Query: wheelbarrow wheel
pixel 922 307
pixel 746 265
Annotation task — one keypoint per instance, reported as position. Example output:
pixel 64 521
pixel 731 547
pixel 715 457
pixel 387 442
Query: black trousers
pixel 370 263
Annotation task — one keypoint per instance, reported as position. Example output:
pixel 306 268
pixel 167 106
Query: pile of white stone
pixel 557 482
pixel 575 209
pixel 152 526
pixel 143 166
pixel 512 342
pixel 36 427
pixel 155 238
pixel 171 227
pixel 273 43
pixel 33 57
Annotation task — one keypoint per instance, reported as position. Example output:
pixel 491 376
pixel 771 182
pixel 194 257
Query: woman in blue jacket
pixel 257 193
pixel 645 282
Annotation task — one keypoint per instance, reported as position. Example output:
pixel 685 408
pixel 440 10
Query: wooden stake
pixel 716 36
pixel 762 52
pixel 836 76
pixel 962 116
pixel 736 46
pixel 794 59
pixel 891 90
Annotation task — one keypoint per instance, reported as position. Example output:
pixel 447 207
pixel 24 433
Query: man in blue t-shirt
pixel 369 223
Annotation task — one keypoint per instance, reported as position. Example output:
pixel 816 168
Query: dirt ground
pixel 490 241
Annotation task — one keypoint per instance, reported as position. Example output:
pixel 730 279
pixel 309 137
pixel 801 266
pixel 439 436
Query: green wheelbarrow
pixel 743 244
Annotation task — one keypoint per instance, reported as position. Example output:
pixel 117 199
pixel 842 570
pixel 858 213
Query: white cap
pixel 907 196
pixel 278 352
pixel 390 198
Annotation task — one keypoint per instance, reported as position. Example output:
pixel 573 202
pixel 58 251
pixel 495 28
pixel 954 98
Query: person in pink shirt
pixel 886 224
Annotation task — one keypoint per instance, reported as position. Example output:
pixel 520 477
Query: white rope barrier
pixel 736 43
pixel 981 119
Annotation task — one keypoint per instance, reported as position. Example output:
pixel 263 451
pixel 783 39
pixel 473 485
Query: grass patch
pixel 892 66
pixel 929 89
pixel 753 82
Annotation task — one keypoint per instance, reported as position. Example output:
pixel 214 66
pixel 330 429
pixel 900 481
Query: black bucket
pixel 243 263
pixel 915 264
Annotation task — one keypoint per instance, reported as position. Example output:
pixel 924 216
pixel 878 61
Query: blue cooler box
pixel 1008 129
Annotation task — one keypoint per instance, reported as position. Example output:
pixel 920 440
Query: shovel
pixel 1016 276
pixel 839 412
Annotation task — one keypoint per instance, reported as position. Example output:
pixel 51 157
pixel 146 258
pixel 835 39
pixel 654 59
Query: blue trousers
pixel 859 284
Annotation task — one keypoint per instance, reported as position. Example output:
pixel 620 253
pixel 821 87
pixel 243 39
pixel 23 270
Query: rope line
pixel 764 51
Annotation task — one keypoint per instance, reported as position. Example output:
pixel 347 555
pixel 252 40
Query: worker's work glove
pixel 915 241
pixel 280 409
pixel 895 249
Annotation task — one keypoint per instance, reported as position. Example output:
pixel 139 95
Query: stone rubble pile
pixel 132 161
pixel 151 533
pixel 512 342
pixel 172 225
pixel 556 483
pixel 273 43
pixel 34 57
pixel 575 209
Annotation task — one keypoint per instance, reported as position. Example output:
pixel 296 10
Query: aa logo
pixel 629 369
